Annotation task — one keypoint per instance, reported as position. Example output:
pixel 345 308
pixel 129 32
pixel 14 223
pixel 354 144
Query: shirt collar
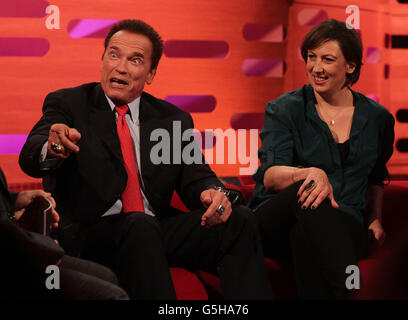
pixel 361 111
pixel 133 107
pixel 311 101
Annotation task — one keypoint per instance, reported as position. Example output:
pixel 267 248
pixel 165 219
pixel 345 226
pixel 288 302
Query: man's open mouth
pixel 118 81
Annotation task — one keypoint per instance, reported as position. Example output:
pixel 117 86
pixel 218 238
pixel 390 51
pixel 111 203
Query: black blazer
pixel 7 199
pixel 88 183
pixel 24 255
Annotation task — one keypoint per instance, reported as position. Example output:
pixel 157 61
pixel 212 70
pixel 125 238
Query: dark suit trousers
pixel 86 280
pixel 25 257
pixel 141 248
pixel 321 242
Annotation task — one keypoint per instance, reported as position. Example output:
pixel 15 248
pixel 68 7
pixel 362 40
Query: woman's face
pixel 327 68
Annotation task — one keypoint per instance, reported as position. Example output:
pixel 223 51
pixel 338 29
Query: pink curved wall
pixel 223 59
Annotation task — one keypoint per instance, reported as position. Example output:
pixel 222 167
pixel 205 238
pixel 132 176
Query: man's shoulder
pixel 163 107
pixel 83 89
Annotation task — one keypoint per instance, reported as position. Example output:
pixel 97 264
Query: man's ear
pixel 150 76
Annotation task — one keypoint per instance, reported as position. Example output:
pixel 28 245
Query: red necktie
pixel 132 196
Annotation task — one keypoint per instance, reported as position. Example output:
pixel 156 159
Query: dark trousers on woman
pixel 321 243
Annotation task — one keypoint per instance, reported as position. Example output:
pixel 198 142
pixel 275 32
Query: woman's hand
pixel 312 194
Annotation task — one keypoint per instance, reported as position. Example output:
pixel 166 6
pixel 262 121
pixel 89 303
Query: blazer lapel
pixel 360 117
pixel 103 121
pixel 149 121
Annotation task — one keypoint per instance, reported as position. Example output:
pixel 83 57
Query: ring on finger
pixel 56 147
pixel 311 185
pixel 220 209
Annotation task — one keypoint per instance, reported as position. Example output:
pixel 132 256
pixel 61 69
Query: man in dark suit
pixel 26 256
pixel 114 203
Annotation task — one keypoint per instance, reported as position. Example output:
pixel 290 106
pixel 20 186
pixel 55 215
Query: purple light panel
pixel 263 67
pixel 311 17
pixel 89 28
pixel 263 32
pixel 23 47
pixel 193 103
pixel 373 55
pixel 247 120
pixel 12 143
pixel 374 97
pixel 23 8
pixel 196 49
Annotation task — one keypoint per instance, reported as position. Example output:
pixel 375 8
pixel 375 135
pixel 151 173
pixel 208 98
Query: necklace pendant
pixel 332 122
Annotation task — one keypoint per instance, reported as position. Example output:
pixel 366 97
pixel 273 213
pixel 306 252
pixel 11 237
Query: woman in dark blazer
pixel 323 163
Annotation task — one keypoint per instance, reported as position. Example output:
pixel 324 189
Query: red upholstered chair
pixel 281 273
pixel 385 275
pixel 187 285
pixel 395 223
pixel 202 285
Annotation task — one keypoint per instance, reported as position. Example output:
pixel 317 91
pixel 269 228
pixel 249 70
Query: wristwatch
pixel 232 195
pixel 11 216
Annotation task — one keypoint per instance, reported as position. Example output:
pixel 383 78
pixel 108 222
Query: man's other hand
pixel 212 200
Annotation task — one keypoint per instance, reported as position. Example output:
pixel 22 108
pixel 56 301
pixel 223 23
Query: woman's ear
pixel 350 67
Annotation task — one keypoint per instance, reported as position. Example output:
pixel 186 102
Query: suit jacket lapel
pixel 148 122
pixel 103 121
pixel 104 124
pixel 150 119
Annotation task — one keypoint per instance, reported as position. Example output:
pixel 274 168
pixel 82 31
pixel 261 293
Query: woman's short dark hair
pixel 349 41
pixel 140 27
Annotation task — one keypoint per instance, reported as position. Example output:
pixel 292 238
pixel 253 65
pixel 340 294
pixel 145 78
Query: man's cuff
pixel 234 196
pixel 43 154
pixel 48 164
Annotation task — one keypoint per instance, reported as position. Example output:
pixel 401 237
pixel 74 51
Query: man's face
pixel 126 66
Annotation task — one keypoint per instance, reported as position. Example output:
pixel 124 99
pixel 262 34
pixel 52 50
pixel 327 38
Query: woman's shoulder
pixel 374 108
pixel 290 102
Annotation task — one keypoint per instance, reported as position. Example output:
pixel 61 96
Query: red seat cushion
pixel 187 285
pixel 211 283
pixel 282 279
pixel 177 203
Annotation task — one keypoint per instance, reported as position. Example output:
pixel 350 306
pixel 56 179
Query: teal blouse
pixel 294 135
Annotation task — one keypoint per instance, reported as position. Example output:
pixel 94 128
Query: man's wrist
pixel 232 195
pixel 218 188
pixel 11 216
